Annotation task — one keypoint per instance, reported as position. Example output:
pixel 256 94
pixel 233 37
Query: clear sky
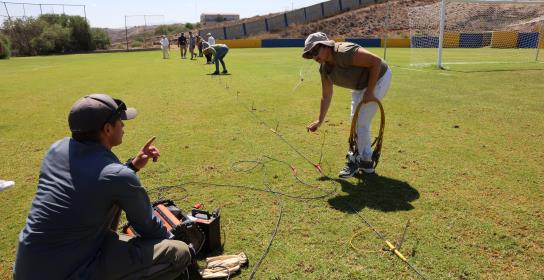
pixel 111 13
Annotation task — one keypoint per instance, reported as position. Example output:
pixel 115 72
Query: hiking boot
pixel 350 169
pixel 366 166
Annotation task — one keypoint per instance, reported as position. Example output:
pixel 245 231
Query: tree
pixel 21 32
pixel 81 34
pixel 5 47
pixel 54 39
pixel 100 38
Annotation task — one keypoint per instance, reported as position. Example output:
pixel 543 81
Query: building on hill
pixel 218 17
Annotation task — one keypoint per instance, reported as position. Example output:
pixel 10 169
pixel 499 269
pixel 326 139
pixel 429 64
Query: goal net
pixel 476 32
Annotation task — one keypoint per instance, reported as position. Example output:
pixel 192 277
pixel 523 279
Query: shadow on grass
pixel 222 74
pixel 376 192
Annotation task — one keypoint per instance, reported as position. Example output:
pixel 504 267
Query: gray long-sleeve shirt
pixel 79 189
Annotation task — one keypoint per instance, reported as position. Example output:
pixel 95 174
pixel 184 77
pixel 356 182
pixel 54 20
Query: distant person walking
pixel 211 41
pixel 192 44
pixel 218 51
pixel 182 44
pixel 165 46
pixel 199 45
pixel 350 66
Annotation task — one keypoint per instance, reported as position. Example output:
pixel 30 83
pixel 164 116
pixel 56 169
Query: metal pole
pixel 7 11
pixel 126 32
pixel 63 10
pixel 540 33
pixel 24 10
pixel 386 30
pixel 85 11
pixel 145 24
pixel 441 36
pixel 41 12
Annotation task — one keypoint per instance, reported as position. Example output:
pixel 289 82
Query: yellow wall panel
pixel 241 43
pixel 397 42
pixel 504 39
pixel 451 39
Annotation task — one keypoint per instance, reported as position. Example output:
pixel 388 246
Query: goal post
pixel 450 32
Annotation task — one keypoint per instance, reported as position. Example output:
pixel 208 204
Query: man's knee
pixel 177 252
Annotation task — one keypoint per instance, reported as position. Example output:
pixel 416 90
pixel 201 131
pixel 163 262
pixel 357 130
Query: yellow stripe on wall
pixel 396 42
pixel 451 39
pixel 504 39
pixel 241 43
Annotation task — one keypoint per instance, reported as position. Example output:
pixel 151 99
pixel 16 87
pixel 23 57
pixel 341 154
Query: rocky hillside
pixel 371 21
pixel 399 17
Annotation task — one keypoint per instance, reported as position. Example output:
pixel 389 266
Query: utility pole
pixel 126 33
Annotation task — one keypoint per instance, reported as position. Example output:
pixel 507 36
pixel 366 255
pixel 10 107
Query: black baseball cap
pixel 91 112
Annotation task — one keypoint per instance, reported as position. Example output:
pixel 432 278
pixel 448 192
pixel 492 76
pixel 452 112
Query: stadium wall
pixel 241 43
pixel 456 40
pixel 396 43
pixel 283 20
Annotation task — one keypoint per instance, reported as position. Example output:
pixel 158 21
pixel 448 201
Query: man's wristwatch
pixel 130 165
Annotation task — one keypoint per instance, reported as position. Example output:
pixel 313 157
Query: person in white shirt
pixel 211 41
pixel 165 46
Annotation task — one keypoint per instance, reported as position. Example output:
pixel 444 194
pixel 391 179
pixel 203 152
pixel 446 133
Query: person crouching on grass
pixel 219 51
pixel 350 66
pixel 70 231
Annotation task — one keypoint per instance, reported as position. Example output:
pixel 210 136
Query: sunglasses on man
pixel 314 52
pixel 116 114
pixel 121 107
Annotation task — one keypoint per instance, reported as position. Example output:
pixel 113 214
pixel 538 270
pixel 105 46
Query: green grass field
pixel 462 159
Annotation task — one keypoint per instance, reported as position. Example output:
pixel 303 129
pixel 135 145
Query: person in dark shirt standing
pixel 70 231
pixel 182 44
pixel 192 45
pixel 199 45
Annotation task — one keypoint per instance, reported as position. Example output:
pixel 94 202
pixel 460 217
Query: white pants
pixel 165 52
pixel 367 114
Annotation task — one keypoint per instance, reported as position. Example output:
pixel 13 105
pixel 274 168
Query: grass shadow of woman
pixel 376 192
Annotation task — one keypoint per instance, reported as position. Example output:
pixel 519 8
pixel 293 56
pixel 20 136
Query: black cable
pixel 262 165
pixel 280 215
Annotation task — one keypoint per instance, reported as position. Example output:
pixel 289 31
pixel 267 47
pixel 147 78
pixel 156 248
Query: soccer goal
pixel 476 32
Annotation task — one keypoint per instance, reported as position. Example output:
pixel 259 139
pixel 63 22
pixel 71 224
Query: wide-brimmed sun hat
pixel 314 39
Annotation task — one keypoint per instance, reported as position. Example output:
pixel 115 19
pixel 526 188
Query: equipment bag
pixel 176 222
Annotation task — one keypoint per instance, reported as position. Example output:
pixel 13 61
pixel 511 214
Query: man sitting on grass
pixel 219 51
pixel 70 232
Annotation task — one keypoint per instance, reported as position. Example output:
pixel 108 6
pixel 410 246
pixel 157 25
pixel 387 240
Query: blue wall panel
pixel 424 42
pixel 528 40
pixel 367 43
pixel 282 43
pixel 471 40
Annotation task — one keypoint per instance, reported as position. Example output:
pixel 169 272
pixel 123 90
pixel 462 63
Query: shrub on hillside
pixel 5 47
pixel 136 44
